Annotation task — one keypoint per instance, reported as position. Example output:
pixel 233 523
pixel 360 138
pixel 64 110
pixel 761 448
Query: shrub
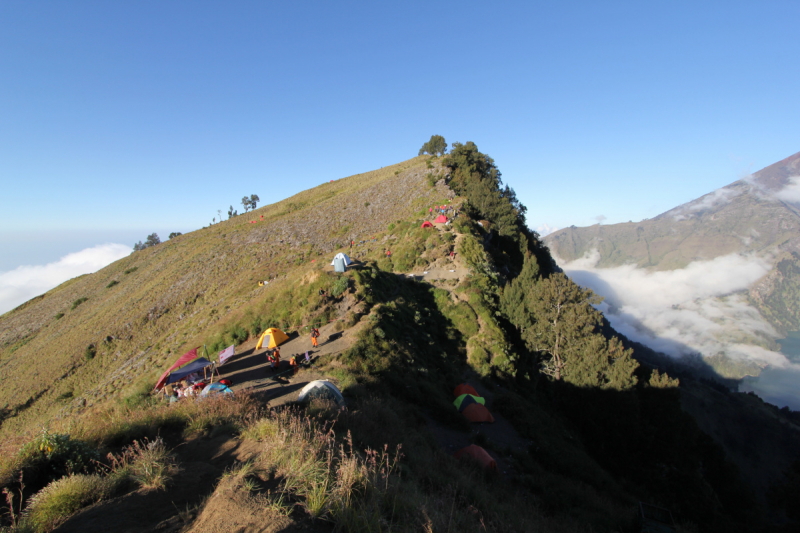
pixel 115 282
pixel 78 302
pixel 50 456
pixel 131 270
pixel 339 285
pixel 59 316
pixel 90 352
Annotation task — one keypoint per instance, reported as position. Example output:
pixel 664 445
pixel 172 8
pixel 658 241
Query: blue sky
pixel 118 119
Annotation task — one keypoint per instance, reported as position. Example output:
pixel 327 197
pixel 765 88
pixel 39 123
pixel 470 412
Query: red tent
pixel 182 360
pixel 441 219
pixel 464 388
pixel 478 454
pixel 427 224
pixel 475 412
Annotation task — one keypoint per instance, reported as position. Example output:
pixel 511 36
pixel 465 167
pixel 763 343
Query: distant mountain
pixel 754 219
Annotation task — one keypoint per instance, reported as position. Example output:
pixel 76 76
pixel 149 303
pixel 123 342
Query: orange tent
pixel 464 388
pixel 441 219
pixel 478 454
pixel 475 412
pixel 427 224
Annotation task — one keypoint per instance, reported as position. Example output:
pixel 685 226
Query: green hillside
pixel 582 431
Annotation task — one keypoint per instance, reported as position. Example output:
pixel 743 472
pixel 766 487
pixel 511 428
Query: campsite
pixel 418 405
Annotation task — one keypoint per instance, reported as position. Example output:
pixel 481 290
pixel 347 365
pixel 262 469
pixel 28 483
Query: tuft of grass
pixel 147 462
pixel 114 282
pixel 131 270
pixel 59 316
pixel 58 500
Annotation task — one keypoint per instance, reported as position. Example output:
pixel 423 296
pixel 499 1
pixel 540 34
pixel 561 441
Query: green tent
pixel 469 398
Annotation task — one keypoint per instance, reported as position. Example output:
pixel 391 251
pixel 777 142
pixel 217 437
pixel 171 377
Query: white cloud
pixel 697 309
pixel 545 230
pixel 713 199
pixel 791 192
pixel 25 282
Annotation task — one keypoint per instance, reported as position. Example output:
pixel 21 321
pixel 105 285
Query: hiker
pixel 313 338
pixel 308 359
pixel 276 358
pixel 452 254
pixel 293 364
pixel 352 242
pixel 388 253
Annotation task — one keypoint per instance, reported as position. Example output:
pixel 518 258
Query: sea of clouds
pixel 24 282
pixel 698 309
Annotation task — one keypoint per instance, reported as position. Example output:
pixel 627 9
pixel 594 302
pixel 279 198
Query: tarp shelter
pixel 274 336
pixel 195 366
pixel 427 224
pixel 213 389
pixel 182 360
pixel 343 256
pixel 465 388
pixel 477 413
pixel 473 398
pixel 477 454
pixel 441 219
pixel 324 390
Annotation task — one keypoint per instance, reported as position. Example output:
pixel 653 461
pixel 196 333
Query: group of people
pixel 274 355
pixel 446 210
pixel 187 390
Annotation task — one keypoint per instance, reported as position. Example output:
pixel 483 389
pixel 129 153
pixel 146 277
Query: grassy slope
pixel 179 289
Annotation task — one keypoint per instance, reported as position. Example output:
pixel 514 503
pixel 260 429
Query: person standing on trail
pixel 452 255
pixel 430 211
pixel 313 337
pixel 388 253
pixel 276 358
pixel 293 364
pixel 352 242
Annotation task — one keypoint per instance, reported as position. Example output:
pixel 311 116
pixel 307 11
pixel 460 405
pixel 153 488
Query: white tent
pixel 323 390
pixel 346 259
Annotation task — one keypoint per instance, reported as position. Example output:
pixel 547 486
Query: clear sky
pixel 118 119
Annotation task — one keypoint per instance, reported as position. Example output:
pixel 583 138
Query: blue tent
pixel 195 366
pixel 215 388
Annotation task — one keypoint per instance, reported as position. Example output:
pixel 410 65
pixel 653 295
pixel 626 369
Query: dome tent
pixel 465 388
pixel 345 257
pixel 324 390
pixel 213 389
pixel 427 224
pixel 476 453
pixel 472 399
pixel 477 413
pixel 276 337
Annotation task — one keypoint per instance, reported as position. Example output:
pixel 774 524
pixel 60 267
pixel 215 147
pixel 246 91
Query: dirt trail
pixel 250 370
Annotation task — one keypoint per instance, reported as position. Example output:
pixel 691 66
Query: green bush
pixel 59 316
pixel 90 352
pixel 78 302
pixel 115 282
pixel 339 285
pixel 130 270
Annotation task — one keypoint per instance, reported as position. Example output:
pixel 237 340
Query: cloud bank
pixel 697 309
pixel 791 192
pixel 23 283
